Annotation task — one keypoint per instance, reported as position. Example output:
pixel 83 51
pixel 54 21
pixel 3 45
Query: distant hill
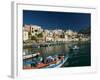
pixel 86 31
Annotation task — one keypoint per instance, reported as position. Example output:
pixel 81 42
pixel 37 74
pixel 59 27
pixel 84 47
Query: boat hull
pixel 58 65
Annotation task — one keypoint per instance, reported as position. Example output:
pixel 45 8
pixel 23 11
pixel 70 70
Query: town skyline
pixel 57 20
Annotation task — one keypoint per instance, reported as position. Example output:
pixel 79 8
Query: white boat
pixel 30 56
pixel 75 47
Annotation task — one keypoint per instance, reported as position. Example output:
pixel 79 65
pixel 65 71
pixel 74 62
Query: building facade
pixel 25 35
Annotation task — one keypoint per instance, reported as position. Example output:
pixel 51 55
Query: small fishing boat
pixel 75 47
pixel 30 56
pixel 56 62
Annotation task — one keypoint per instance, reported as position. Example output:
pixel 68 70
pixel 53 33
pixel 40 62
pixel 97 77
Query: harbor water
pixel 76 58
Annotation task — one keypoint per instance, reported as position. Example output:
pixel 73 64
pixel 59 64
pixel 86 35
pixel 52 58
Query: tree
pixel 40 35
pixel 34 38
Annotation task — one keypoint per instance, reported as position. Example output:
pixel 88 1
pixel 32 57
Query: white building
pixel 26 28
pixel 66 37
pixel 25 35
pixel 48 35
pixel 49 39
pixel 58 31
pixel 69 32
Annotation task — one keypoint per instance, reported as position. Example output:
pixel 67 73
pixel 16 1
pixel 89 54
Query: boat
pixel 75 47
pixel 57 62
pixel 30 56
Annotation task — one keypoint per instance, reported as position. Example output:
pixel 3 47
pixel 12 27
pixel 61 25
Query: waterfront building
pixel 49 39
pixel 37 34
pixel 58 31
pixel 66 37
pixel 72 36
pixel 48 35
pixel 27 28
pixel 69 32
pixel 25 35
pixel 26 31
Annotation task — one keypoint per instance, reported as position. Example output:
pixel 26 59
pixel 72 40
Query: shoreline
pixel 46 44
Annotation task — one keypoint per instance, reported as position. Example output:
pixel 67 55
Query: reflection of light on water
pixel 48 50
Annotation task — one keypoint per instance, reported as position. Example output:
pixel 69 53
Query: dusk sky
pixel 57 20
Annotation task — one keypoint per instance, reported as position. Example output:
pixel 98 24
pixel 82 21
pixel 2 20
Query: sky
pixel 57 20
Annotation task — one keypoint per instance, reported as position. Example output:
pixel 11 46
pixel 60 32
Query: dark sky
pixel 57 20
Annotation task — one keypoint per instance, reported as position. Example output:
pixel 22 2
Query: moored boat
pixel 56 62
pixel 75 47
